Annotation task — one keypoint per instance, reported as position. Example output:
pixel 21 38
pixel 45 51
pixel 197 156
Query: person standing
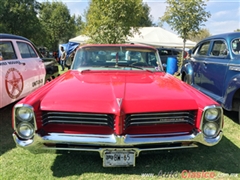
pixel 63 58
pixel 70 59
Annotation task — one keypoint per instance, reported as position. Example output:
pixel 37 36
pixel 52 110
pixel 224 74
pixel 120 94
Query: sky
pixel 225 14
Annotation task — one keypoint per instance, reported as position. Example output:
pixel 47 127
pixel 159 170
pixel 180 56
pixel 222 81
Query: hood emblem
pixel 119 101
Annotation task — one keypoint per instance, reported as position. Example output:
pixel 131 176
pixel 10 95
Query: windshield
pixel 112 57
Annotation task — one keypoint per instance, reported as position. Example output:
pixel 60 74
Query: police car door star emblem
pixel 14 83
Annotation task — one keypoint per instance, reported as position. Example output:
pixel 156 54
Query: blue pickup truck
pixel 214 69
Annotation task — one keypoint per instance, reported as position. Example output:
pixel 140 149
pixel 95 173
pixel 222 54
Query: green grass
pixel 17 163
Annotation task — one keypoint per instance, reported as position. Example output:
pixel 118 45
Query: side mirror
pixel 190 52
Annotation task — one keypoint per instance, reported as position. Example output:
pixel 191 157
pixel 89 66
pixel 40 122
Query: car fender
pixel 187 70
pixel 231 88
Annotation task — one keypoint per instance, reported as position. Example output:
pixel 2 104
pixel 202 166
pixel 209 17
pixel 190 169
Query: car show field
pixel 218 162
pixel 222 159
pixel 119 90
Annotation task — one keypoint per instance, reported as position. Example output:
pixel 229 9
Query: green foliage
pixel 185 17
pixel 20 17
pixel 79 24
pixel 58 24
pixel 46 24
pixel 146 18
pixel 111 21
pixel 198 36
pixel 237 30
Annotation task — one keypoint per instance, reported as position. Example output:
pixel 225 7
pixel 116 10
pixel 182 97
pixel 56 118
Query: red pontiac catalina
pixel 118 101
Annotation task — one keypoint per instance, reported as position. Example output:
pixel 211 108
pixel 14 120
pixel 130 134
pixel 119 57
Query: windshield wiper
pixel 130 66
pixel 85 70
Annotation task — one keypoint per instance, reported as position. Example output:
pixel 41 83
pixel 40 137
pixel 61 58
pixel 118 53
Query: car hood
pixel 116 91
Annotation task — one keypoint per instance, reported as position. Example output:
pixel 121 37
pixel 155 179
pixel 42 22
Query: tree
pixel 20 17
pixel 185 17
pixel 196 37
pixel 237 30
pixel 146 18
pixel 79 24
pixel 58 24
pixel 111 21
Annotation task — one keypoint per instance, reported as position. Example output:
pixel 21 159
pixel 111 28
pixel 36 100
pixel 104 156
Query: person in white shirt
pixel 63 58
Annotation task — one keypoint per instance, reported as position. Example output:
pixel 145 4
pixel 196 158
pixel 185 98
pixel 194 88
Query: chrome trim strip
pixel 218 63
pixel 234 68
pixel 98 143
pixel 231 64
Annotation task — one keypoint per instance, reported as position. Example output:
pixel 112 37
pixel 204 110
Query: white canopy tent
pixel 79 39
pixel 153 36
pixel 159 37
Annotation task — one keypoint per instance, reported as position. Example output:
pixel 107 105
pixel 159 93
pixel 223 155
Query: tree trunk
pixel 182 57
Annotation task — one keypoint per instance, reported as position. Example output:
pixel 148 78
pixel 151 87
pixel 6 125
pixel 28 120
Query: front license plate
pixel 118 158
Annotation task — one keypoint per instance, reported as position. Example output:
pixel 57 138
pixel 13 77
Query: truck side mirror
pixel 190 52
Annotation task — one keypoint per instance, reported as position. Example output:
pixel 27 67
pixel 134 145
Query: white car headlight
pixel 211 114
pixel 24 114
pixel 210 129
pixel 25 130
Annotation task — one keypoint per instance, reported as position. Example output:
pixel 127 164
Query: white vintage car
pixel 21 69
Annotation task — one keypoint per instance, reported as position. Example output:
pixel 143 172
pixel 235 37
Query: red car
pixel 116 103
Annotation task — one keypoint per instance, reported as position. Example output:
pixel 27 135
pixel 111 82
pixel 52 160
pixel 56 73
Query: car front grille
pixel 187 117
pixel 78 118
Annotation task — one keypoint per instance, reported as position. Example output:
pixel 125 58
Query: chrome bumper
pixel 100 143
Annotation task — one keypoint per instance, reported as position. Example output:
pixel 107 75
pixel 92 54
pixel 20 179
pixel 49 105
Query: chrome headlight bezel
pixel 23 132
pixel 24 113
pixel 212 114
pixel 210 125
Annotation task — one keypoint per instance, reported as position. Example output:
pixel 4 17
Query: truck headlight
pixel 25 130
pixel 210 129
pixel 24 113
pixel 211 114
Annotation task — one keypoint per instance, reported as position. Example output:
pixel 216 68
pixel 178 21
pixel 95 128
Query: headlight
pixel 24 114
pixel 210 129
pixel 211 114
pixel 25 130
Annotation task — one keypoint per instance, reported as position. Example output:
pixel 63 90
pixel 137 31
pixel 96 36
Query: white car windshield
pixel 112 57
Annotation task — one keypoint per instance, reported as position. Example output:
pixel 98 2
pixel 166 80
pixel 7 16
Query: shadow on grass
pixel 223 157
pixel 232 115
pixel 6 140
